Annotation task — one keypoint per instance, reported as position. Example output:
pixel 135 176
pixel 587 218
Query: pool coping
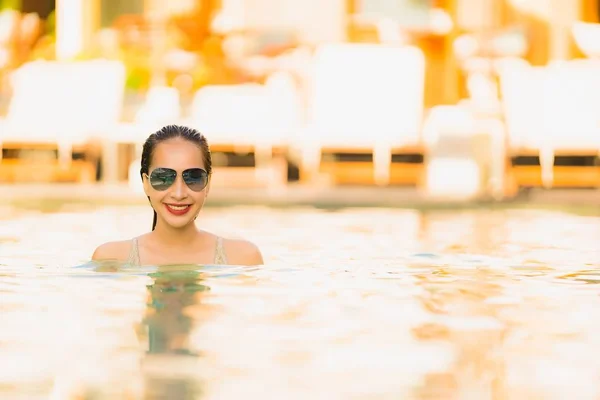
pixel 56 196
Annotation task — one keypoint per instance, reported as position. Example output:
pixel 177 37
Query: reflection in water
pixel 174 303
pixel 466 319
pixel 372 304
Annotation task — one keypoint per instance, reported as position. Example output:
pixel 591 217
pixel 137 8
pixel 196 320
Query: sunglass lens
pixel 162 178
pixel 195 178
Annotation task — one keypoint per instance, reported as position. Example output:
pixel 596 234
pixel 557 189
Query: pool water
pixel 351 304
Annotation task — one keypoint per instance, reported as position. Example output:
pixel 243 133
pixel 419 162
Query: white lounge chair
pixel 62 106
pixel 248 128
pixel 552 122
pixel 365 111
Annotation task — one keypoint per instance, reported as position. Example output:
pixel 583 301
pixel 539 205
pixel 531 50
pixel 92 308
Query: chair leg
pixel 382 162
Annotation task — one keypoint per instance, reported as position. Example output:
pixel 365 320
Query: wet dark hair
pixel 173 132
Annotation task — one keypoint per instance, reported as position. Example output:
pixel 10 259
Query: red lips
pixel 178 209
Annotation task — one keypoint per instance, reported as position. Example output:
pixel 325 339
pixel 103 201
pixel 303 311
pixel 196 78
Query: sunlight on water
pixel 353 304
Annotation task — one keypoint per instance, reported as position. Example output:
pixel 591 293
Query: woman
pixel 176 171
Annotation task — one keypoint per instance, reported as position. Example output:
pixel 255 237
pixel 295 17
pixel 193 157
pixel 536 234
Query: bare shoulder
pixel 118 250
pixel 242 252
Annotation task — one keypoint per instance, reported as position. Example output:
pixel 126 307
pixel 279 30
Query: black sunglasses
pixel 163 178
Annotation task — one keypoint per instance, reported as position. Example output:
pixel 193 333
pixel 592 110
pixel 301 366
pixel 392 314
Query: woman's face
pixel 178 204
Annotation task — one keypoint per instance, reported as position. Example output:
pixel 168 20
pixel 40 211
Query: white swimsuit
pixel 134 253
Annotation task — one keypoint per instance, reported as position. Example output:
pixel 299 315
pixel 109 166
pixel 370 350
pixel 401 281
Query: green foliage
pixel 10 5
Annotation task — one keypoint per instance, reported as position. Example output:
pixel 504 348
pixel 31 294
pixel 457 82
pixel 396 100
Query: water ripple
pixel 374 304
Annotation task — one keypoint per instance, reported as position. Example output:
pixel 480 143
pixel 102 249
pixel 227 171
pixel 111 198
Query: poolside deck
pixel 50 196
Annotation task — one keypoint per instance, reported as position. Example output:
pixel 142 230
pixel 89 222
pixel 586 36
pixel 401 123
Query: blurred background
pixel 467 98
pixel 322 105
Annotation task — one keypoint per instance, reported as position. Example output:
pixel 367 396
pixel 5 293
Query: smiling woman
pixel 176 171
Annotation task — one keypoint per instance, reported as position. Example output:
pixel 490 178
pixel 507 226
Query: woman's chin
pixel 178 222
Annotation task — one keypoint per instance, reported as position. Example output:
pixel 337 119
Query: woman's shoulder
pixel 242 252
pixel 116 250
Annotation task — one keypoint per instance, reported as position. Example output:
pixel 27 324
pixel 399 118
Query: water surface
pixel 352 304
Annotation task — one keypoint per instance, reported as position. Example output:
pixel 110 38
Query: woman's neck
pixel 174 237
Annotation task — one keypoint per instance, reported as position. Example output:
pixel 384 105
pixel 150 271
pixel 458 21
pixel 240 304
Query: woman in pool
pixel 176 171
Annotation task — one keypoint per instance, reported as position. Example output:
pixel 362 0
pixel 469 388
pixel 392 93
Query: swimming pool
pixel 352 304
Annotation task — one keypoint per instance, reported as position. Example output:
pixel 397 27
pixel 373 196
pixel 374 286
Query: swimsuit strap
pixel 134 254
pixel 220 257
